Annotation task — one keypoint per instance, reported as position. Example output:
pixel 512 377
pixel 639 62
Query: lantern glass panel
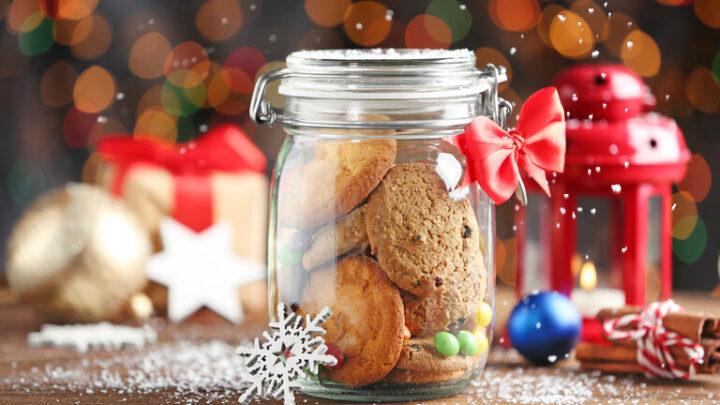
pixel 654 248
pixel 535 260
pixel 599 226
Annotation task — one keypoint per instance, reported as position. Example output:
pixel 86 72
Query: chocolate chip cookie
pixel 458 295
pixel 420 235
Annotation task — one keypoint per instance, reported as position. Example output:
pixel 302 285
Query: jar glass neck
pixel 380 89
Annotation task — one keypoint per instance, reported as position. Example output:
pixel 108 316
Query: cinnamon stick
pixel 620 354
pixel 692 324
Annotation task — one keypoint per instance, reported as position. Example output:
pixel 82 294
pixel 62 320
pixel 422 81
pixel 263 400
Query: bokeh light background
pixel 73 71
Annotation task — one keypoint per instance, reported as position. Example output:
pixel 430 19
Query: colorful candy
pixel 484 315
pixel 482 341
pixel 468 343
pixel 335 351
pixel 446 344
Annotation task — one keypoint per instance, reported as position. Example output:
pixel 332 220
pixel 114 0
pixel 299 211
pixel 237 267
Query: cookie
pixel 399 376
pixel 367 318
pixel 336 239
pixel 417 231
pixel 337 179
pixel 460 293
pixel 419 355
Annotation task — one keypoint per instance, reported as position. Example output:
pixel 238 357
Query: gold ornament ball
pixel 78 255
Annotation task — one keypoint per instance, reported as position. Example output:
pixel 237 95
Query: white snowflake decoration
pixel 274 374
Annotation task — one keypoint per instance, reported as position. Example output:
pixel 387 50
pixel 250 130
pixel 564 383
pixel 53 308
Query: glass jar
pixel 372 217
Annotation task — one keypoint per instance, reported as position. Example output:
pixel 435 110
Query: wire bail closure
pixel 261 110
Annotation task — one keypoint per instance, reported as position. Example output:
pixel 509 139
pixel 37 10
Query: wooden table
pixel 51 376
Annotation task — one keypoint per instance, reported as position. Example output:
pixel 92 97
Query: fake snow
pixel 92 336
pixel 192 372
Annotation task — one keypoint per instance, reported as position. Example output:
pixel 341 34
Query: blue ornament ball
pixel 544 327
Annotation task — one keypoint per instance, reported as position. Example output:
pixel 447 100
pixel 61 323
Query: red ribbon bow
pixel 495 157
pixel 224 148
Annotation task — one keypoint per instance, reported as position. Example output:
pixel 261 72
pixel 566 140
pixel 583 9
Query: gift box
pixel 219 176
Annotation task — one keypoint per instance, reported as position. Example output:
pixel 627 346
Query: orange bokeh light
pixel 56 86
pixel 641 53
pixel 708 11
pixel 96 41
pixel 670 94
pixel 571 36
pixel 105 126
pixel 486 55
pixel 150 99
pixel 326 13
pixel 698 179
pixel 187 65
pixel 156 123
pixel 222 94
pixel 702 90
pixel 547 16
pixel 505 260
pixel 75 9
pixel 147 55
pixel 71 32
pixel 218 89
pixel 514 15
pixel 427 31
pixel 271 92
pixel 94 90
pixel 684 215
pixel 24 15
pixel 218 20
pixel 620 26
pixel 594 15
pixel 367 23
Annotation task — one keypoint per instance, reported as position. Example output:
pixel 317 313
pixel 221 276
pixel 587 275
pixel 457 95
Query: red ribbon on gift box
pixel 225 148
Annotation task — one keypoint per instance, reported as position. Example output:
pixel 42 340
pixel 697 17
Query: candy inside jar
pixel 373 216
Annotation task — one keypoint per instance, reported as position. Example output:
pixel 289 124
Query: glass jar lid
pixel 410 87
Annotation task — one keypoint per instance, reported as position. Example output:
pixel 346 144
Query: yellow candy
pixel 482 341
pixel 484 315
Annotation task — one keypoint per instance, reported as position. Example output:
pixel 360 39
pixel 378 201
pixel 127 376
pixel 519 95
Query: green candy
pixel 468 343
pixel 446 344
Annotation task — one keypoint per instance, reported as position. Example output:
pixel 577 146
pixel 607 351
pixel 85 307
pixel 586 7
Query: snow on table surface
pixel 196 363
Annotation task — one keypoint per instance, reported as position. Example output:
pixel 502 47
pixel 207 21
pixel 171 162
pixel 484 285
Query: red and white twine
pixel 654 341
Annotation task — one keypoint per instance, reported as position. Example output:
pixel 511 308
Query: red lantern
pixel 608 222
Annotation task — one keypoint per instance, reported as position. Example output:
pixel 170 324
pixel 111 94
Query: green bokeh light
pixel 455 14
pixel 38 40
pixel 25 182
pixel 180 101
pixel 716 67
pixel 185 129
pixel 689 250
